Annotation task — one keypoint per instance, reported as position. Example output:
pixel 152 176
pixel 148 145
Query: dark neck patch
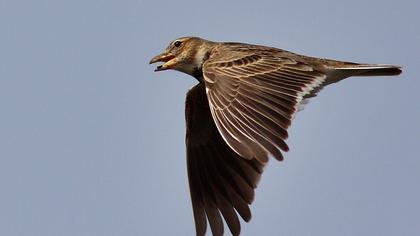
pixel 198 71
pixel 198 74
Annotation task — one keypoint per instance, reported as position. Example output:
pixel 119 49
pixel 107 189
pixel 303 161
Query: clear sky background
pixel 92 140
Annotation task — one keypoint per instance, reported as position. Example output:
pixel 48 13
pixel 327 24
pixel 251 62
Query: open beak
pixel 168 59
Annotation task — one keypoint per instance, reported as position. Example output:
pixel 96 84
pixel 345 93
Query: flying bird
pixel 238 115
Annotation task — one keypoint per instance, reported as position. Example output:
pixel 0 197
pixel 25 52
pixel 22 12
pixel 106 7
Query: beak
pixel 168 59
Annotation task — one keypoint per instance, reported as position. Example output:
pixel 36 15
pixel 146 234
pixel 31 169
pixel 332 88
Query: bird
pixel 238 114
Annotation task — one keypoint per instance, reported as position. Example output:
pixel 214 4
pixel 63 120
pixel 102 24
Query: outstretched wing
pixel 254 92
pixel 221 182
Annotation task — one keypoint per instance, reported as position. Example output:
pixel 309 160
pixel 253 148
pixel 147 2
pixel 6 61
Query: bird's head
pixel 186 54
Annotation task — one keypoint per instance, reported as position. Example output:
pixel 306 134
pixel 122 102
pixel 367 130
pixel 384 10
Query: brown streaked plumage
pixel 238 115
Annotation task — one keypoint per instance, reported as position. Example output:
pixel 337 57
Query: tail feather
pixel 339 70
pixel 370 70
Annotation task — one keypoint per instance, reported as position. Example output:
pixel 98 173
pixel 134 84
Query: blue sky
pixel 92 140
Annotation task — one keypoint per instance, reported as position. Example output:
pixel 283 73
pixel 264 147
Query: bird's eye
pixel 177 43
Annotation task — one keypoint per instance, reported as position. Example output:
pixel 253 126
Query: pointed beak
pixel 168 59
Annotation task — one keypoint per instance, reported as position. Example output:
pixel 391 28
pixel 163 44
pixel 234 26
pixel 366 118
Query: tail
pixel 369 70
pixel 340 70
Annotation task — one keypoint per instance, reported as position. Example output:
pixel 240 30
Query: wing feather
pixel 254 95
pixel 221 182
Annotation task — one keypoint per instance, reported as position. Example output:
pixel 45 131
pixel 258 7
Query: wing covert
pixel 254 93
